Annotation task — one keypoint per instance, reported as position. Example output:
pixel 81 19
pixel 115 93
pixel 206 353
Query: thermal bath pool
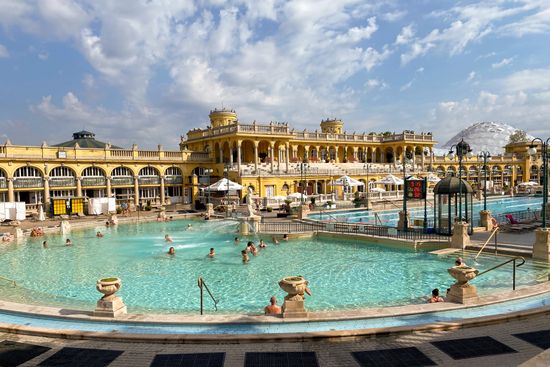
pixel 343 274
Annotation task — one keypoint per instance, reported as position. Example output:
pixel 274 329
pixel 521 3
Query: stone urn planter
pixel 463 274
pixel 462 291
pixel 295 287
pixel 108 286
pixel 109 305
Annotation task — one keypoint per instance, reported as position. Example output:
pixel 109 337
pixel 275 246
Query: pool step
pixel 445 251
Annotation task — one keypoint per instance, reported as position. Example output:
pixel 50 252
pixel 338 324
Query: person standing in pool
pixel 68 242
pixel 45 244
pixel 272 308
pixel 212 253
pixel 244 256
pixel 167 238
pixel 236 241
pixel 171 251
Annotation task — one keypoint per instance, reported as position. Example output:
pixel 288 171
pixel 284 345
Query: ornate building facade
pixel 266 157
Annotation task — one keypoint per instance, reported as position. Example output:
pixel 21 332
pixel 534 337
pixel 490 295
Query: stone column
pixel 413 156
pixel 403 220
pixel 231 155
pixel 79 187
pixel 318 152
pixel 355 150
pixel 136 191
pixel 239 143
pixel 221 153
pixel 256 143
pixel 11 192
pixel 541 247
pixel 287 159
pixel 460 238
pixel 423 161
pixel 108 192
pixel 162 193
pixel 272 153
pixel 373 156
pixel 485 218
pixel 306 153
pixel 46 199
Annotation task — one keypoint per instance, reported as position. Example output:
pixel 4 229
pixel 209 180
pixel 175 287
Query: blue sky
pixel 145 72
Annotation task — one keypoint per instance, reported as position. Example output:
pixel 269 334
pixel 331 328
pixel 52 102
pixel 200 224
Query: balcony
pixel 122 181
pixel 173 180
pixel 149 180
pixel 62 182
pixel 28 182
pixel 93 181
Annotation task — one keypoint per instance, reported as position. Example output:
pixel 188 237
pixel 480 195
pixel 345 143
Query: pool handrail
pixel 513 268
pixel 202 284
pixel 9 280
pixel 486 242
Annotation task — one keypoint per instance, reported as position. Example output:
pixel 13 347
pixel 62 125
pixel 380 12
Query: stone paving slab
pixel 334 352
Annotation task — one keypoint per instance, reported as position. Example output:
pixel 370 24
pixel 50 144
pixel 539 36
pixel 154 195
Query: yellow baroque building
pixel 266 157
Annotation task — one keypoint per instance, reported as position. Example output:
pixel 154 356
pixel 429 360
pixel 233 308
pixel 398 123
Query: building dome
pixel 332 126
pixel 222 117
pixel 84 139
pixel 451 185
pixel 484 136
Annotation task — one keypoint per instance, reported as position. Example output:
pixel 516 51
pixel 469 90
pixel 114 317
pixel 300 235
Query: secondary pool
pixel 391 217
pixel 343 274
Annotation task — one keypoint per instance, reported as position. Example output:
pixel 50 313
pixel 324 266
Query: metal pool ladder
pixel 486 242
pixel 513 268
pixel 201 283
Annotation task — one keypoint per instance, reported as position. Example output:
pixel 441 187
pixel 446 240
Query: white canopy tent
pixel 433 178
pixel 224 185
pixel 296 195
pixel 390 180
pixel 348 182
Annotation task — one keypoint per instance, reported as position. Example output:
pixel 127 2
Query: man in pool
pixel 285 237
pixel 99 234
pixel 459 262
pixel 68 242
pixel 212 253
pixel 275 241
pixel 245 256
pixel 167 238
pixel 272 308
pixel 236 241
pixel 171 251
pixel 45 244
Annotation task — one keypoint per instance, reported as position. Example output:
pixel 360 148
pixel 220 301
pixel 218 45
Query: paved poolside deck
pixel 494 345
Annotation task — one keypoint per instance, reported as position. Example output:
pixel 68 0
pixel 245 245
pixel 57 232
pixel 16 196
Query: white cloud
pixel 406 86
pixel 372 84
pixel 405 36
pixel 471 76
pixel 394 16
pixel 4 52
pixel 526 80
pixel 503 62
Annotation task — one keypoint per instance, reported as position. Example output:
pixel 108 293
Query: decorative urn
pixel 295 286
pixel 463 274
pixel 108 286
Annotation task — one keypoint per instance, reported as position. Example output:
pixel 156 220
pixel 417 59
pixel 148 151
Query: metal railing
pixel 486 242
pixel 513 269
pixel 202 285
pixel 13 283
pixel 521 216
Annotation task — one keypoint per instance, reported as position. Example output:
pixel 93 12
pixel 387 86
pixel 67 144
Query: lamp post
pixel 366 167
pixel 462 150
pixel 208 172
pixel 405 221
pixel 544 152
pixel 303 177
pixel 486 156
pixel 226 168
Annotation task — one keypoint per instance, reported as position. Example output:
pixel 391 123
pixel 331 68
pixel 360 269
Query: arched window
pixel 285 187
pixel 148 171
pixel 62 177
pixel 93 176
pixel 149 176
pixel 122 176
pixel 93 172
pixel 27 171
pixel 173 176
pixel 122 171
pixel 27 177
pixel 61 172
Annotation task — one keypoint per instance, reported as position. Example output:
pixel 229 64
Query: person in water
pixel 435 297
pixel 245 256
pixel 275 241
pixel 272 308
pixel 99 234
pixel 171 251
pixel 167 238
pixel 68 242
pixel 212 253
pixel 262 244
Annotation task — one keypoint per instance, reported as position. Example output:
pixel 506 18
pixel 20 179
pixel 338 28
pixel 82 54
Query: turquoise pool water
pixel 342 274
pixel 391 217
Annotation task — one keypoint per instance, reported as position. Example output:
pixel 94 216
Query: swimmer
pixel 171 251
pixel 189 226
pixel 435 297
pixel 272 308
pixel 212 253
pixel 45 244
pixel 236 241
pixel 244 256
pixel 107 224
pixel 459 262
pixel 285 237
pixel 68 242
pixel 275 241
pixel 99 234
pixel 262 244
pixel 249 246
pixel 167 238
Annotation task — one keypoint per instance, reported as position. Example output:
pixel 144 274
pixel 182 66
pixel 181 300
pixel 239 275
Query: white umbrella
pixel 296 195
pixel 224 185
pixel 390 180
pixel 347 181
